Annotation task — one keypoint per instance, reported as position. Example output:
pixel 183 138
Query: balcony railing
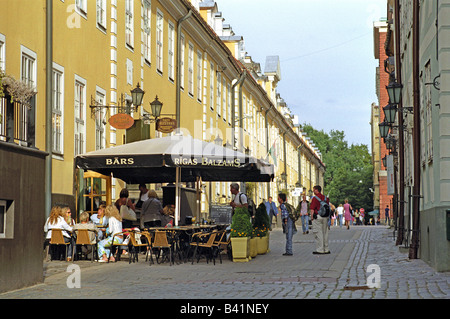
pixel 17 121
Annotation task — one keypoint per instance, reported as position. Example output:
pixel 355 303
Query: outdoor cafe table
pixel 180 237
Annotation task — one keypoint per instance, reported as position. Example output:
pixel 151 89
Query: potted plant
pixel 261 229
pixel 241 229
pixel 253 244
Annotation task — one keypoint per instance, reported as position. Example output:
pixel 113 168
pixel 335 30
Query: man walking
pixel 272 211
pixel 303 207
pixel 320 224
pixel 386 215
pixel 288 222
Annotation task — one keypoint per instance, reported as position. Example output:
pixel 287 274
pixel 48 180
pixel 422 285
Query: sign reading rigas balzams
pixel 205 161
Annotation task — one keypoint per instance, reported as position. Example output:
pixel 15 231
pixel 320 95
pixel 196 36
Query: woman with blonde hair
pixel 56 221
pixel 113 232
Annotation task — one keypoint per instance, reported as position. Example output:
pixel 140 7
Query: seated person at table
pixel 168 215
pixel 115 227
pixel 151 212
pixel 57 220
pixel 92 230
pixel 100 220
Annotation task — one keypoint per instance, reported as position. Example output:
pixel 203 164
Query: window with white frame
pixel 199 75
pixel 2 52
pixel 159 41
pixel 191 70
pixel 101 14
pixel 28 70
pixel 224 101
pixel 171 54
pixel 6 219
pixel 81 5
pixel 100 121
pixel 229 103
pixel 57 111
pixel 79 110
pixel 182 44
pixel 219 94
pixel 129 23
pixel 211 86
pixel 147 14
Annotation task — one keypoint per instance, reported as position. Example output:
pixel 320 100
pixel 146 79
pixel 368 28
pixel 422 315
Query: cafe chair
pixel 57 239
pixel 135 247
pixel 83 239
pixel 148 237
pixel 161 243
pixel 219 243
pixel 205 248
pixel 118 247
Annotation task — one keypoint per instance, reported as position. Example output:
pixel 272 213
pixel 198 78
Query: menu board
pixel 220 213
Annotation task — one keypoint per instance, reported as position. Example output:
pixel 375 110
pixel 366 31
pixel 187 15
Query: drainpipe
pixel 413 250
pixel 48 106
pixel 285 160
pixel 267 143
pixel 401 145
pixel 178 86
pixel 233 116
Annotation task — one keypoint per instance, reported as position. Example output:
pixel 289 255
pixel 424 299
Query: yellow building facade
pixel 174 50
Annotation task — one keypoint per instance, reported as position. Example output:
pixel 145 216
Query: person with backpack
pixel 320 212
pixel 288 218
pixel 240 199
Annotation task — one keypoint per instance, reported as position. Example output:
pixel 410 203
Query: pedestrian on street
pixel 240 199
pixel 320 224
pixel 340 214
pixel 386 215
pixel 272 211
pixel 303 207
pixel 288 222
pixel 348 213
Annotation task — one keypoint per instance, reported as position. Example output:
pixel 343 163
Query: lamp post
pixel 384 129
pixel 395 92
pixel 137 94
pixel 390 111
pixel 156 106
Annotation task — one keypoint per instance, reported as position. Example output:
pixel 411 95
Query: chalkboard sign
pixel 220 213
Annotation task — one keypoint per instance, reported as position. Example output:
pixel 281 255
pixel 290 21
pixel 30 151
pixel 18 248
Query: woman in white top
pixel 340 211
pixel 56 220
pixel 114 230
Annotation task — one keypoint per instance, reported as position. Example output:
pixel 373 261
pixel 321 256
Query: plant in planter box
pixel 261 224
pixel 240 223
pixel 241 230
pixel 261 229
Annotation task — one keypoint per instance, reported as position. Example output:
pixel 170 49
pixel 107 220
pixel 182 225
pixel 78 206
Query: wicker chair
pixel 83 239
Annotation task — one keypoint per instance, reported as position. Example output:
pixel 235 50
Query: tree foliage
pixel 349 169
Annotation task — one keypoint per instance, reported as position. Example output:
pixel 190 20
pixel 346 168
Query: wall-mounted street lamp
pixel 384 129
pixel 156 107
pixel 390 142
pixel 137 94
pixel 395 92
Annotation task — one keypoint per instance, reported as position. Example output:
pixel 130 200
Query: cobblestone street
pixel 341 275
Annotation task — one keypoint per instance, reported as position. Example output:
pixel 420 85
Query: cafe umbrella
pixel 175 159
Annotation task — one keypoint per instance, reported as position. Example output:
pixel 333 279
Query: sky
pixel 326 55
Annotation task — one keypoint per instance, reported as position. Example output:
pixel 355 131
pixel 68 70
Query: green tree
pixel 349 169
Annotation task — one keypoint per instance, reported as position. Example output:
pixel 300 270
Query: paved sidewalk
pixel 343 274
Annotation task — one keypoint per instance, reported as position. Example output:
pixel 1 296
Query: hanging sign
pixel 121 121
pixel 166 125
